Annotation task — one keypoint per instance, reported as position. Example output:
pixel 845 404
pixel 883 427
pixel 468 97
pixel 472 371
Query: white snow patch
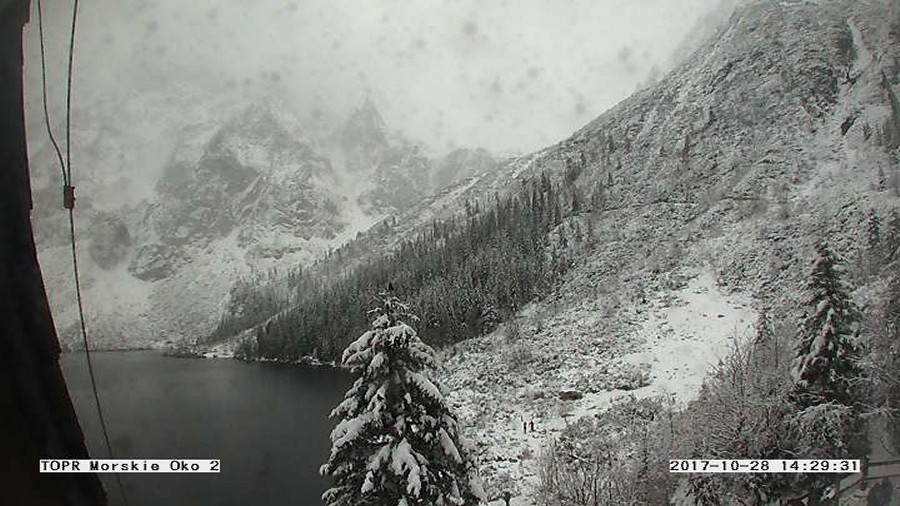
pixel 684 341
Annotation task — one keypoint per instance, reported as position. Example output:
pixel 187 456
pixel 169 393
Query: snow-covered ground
pixel 497 382
pixel 684 340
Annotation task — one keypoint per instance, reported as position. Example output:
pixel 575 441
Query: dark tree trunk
pixel 37 419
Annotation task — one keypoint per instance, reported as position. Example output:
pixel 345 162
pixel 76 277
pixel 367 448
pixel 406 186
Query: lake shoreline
pixel 206 352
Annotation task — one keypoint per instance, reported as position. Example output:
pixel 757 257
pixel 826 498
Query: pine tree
pixel 873 230
pixel 892 236
pixel 889 346
pixel 576 201
pixel 766 345
pixel 397 442
pixel 827 420
pixel 763 328
pixel 825 364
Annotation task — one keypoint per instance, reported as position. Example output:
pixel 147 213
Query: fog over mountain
pixel 627 231
pixel 271 132
pixel 511 77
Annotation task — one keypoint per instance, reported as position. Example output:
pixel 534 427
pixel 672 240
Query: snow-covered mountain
pixel 779 130
pixel 705 194
pixel 701 195
pixel 714 184
pixel 179 196
pixel 399 174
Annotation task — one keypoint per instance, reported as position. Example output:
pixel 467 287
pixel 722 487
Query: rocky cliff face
pixel 253 177
pixel 226 190
pixel 397 173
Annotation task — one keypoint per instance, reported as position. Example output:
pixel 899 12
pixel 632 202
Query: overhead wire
pixel 69 205
pixel 62 165
pixel 69 93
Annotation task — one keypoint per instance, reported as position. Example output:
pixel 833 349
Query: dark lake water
pixel 266 422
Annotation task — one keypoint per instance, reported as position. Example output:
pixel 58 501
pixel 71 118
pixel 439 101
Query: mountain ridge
pixel 245 188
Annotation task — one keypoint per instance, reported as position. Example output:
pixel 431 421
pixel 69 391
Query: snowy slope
pixel 664 346
pixel 708 191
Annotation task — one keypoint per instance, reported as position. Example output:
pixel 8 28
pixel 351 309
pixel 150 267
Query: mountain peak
pixel 259 124
pixel 364 129
pixel 368 106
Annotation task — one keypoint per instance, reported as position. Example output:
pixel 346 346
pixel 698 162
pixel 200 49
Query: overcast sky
pixel 509 75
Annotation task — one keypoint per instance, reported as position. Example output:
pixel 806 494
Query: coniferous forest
pixel 462 275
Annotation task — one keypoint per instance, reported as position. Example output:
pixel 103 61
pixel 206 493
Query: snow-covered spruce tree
pixel 826 361
pixel 826 421
pixel 397 442
pixel 765 343
pixel 873 230
pixel 889 356
pixel 891 239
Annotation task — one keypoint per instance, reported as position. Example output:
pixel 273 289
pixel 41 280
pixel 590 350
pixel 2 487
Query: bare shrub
pixel 619 457
pixel 738 415
pixel 882 362
pixel 512 331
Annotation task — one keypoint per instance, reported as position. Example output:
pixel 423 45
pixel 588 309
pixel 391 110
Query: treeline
pixel 462 275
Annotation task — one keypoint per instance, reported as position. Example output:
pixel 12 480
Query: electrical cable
pixel 69 204
pixel 62 165
pixel 69 93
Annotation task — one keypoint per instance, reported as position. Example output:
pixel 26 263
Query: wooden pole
pixel 37 419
